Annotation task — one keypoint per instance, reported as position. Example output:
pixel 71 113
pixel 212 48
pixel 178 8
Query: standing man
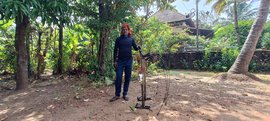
pixel 123 61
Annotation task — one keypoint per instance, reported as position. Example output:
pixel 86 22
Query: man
pixel 123 61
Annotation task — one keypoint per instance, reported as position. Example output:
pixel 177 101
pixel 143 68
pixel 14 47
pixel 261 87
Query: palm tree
pixel 220 5
pixel 236 21
pixel 242 62
pixel 244 9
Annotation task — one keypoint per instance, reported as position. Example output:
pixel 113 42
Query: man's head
pixel 125 30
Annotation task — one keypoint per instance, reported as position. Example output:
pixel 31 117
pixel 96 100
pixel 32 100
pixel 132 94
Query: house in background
pixel 180 22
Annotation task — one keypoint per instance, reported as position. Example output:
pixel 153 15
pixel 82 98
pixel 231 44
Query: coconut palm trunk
pixel 242 62
pixel 236 22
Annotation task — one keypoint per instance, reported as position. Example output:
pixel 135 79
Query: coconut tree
pixel 242 62
pixel 245 11
pixel 220 5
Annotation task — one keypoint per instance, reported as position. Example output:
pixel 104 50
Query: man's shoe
pixel 114 98
pixel 125 98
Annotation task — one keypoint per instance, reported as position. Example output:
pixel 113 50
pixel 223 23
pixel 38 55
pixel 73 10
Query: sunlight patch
pixel 139 118
pixel 33 117
pixel 30 115
pixel 19 110
pixel 169 113
pixel 184 102
pixel 234 93
pixel 152 118
pixel 22 94
pixel 4 111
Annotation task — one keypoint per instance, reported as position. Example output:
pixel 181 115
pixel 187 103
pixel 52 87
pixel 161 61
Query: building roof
pixel 168 15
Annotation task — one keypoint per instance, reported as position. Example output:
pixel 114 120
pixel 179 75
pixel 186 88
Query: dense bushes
pixel 225 37
pixel 80 47
pixel 212 61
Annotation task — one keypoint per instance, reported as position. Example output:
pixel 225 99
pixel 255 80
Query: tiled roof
pixel 168 15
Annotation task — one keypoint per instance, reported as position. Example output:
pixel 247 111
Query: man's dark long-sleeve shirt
pixel 122 48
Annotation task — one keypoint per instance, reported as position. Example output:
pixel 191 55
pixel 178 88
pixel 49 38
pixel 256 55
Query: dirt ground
pixel 193 96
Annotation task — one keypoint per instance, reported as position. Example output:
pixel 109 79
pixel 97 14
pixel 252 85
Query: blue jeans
pixel 123 65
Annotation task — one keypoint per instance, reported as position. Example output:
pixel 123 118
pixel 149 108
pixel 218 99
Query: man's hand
pixel 139 47
pixel 115 65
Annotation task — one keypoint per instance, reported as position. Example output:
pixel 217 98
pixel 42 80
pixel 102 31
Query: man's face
pixel 125 31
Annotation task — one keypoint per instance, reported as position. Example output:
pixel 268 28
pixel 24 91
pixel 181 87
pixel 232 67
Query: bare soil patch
pixel 193 96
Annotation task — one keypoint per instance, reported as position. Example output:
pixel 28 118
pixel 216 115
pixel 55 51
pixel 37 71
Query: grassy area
pixel 192 73
pixel 263 76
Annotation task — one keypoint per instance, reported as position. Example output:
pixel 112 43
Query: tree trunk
pixel 236 23
pixel 60 58
pixel 39 55
pixel 92 48
pixel 104 34
pixel 22 23
pixel 29 65
pixel 147 7
pixel 242 62
pixel 43 65
pixel 103 40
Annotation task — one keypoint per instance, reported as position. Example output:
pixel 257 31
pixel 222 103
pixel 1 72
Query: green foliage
pixel 224 42
pixel 228 57
pixel 10 9
pixel 7 50
pixel 217 61
pixel 157 37
pixel 152 68
pixel 154 36
pixel 264 39
pixel 225 37
pixel 81 38
pixel 76 49
pixel 7 58
pixel 52 59
pixel 57 12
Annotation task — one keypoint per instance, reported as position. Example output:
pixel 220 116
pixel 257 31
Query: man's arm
pixel 134 45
